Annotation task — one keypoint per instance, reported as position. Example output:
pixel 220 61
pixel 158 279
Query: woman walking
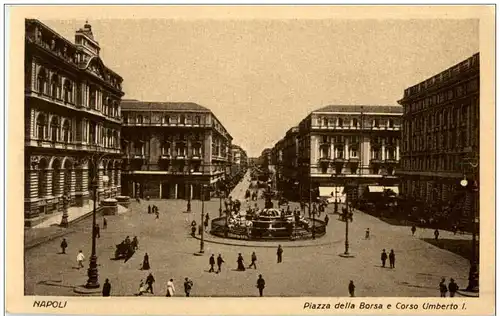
pixel 170 288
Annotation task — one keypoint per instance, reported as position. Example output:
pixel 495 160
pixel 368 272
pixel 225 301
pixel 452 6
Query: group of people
pixel 392 258
pixel 154 210
pixel 452 287
pixel 253 196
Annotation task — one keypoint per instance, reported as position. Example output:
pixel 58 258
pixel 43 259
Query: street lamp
pixel 202 244
pixel 188 209
pixel 473 285
pixel 346 253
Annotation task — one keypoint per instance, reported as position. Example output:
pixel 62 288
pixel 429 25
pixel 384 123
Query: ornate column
pixel 346 148
pixel 31 188
pixel 383 149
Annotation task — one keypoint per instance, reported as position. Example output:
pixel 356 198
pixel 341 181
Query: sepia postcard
pixel 250 160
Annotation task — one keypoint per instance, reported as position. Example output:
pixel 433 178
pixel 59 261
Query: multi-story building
pixel 239 160
pixel 341 145
pixel 171 149
pixel 72 113
pixel 287 150
pixel 265 158
pixel 441 133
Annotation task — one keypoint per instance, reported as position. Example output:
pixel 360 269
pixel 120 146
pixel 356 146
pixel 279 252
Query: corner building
pixel 344 144
pixel 72 112
pixel 441 133
pixel 171 149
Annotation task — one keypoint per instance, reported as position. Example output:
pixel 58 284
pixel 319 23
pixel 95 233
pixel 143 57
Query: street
pixel 309 268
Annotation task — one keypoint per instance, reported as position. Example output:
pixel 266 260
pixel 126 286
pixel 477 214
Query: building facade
pixel 72 113
pixel 440 136
pixel 239 160
pixel 286 152
pixel 341 145
pixel 171 149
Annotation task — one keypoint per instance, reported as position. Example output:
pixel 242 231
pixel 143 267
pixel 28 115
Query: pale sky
pixel 261 77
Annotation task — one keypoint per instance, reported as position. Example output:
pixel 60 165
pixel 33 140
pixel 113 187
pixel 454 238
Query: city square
pixel 321 187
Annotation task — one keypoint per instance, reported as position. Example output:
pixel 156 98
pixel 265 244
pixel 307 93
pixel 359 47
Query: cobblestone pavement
pixel 305 271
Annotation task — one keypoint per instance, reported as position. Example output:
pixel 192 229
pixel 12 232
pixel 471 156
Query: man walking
pixel 64 245
pixel 79 258
pixel 261 284
pixel 254 258
pixel 279 253
pixel 220 261
pixel 97 231
pixel 413 230
pixel 351 288
pixel 149 281
pixel 442 287
pixel 452 287
pixel 104 223
pixel 106 288
pixel 436 234
pixel 327 219
pixel 383 257
pixel 188 285
pixel 211 261
pixel 392 259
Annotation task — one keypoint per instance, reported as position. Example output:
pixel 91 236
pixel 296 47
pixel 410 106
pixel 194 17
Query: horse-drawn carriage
pixel 126 248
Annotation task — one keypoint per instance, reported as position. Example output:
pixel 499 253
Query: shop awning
pixel 330 191
pixel 380 189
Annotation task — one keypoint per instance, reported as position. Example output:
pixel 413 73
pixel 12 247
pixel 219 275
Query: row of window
pixel 445 140
pixel 458 91
pixel 375 153
pixel 355 139
pixel 354 122
pixel 53 131
pixel 450 163
pixel 66 93
pixel 165 119
pixel 353 169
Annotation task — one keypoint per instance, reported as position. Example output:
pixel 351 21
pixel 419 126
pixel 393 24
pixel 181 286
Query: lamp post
pixel 473 285
pixel 64 220
pixel 188 209
pixel 346 253
pixel 202 244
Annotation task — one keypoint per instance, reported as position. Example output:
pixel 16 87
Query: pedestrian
pixel 64 245
pixel 254 258
pixel 141 288
pixel 327 219
pixel 149 282
pixel 135 243
pixel 157 214
pixel 149 209
pixel 392 259
pixel 351 288
pixel 104 223
pixel 145 262
pixel 79 258
pixel 413 230
pixel 206 224
pixel 97 231
pixel 442 287
pixel 279 253
pixel 452 287
pixel 193 231
pixel 261 284
pixel 211 261
pixel 106 288
pixel 220 261
pixel 241 266
pixel 170 288
pixel 436 234
pixel 383 257
pixel 188 285
pixel 367 233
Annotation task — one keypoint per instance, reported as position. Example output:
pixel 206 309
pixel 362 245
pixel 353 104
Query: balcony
pixel 339 160
pixel 354 160
pixel 137 156
pixel 391 161
pixel 196 157
pixel 165 157
pixel 376 161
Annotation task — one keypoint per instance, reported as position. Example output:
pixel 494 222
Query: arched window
pixel 109 141
pixel 42 81
pixel 68 91
pixel 40 126
pixel 341 122
pixel 42 180
pixel 54 87
pixel 54 127
pixel 391 123
pixel 166 119
pixel 140 119
pixel 183 119
pixel 66 132
pixel 325 121
pixel 56 177
pixel 197 119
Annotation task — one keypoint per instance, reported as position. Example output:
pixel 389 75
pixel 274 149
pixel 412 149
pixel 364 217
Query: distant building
pixel 239 160
pixel 286 152
pixel 341 145
pixel 72 112
pixel 440 138
pixel 171 149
